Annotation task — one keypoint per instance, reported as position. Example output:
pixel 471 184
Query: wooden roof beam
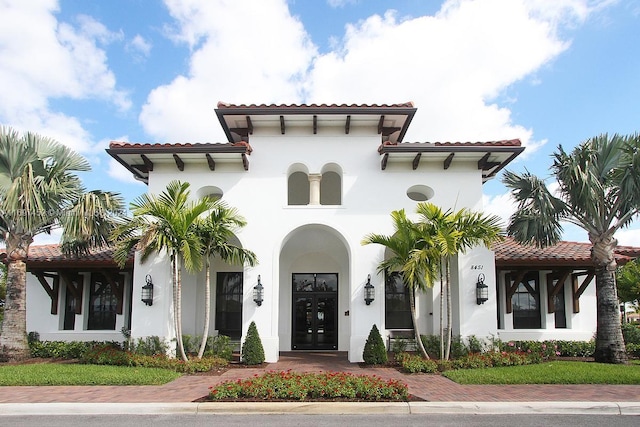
pixel 147 162
pixel 484 163
pixel 52 290
pixel 380 124
pixel 249 125
pixel 211 162
pixel 384 161
pixel 282 125
pixel 416 161
pixel 347 125
pixel 578 290
pixel 179 162
pixel 448 160
pixel 245 161
pixel 315 124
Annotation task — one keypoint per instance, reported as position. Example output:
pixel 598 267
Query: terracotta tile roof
pixel 187 145
pixel 227 106
pixel 44 256
pixel 484 144
pixel 511 254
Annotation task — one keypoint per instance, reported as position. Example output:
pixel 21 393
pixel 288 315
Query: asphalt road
pixel 186 420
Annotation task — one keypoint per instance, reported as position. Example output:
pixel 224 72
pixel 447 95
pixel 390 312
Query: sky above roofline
pixel 547 73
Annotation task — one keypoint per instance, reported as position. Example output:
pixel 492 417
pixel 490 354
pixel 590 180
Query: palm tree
pixel 40 191
pixel 411 257
pixel 453 233
pixel 165 223
pixel 216 231
pixel 599 191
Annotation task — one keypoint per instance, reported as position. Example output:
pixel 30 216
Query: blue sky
pixel 548 72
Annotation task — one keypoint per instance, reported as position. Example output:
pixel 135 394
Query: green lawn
pixel 79 374
pixel 555 372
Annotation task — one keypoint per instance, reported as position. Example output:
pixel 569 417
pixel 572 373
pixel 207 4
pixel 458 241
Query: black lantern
pixel 482 290
pixel 369 291
pixel 258 293
pixel 147 291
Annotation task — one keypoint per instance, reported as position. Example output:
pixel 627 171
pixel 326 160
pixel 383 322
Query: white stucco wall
pixel 326 238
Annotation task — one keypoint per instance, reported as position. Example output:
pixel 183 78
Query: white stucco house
pixel 312 181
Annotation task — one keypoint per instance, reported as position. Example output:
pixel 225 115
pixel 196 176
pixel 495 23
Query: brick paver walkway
pixel 428 387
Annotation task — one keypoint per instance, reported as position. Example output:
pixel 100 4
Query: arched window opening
pixel 298 189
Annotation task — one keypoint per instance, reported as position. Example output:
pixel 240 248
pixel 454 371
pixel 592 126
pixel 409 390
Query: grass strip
pixel 555 372
pixel 38 374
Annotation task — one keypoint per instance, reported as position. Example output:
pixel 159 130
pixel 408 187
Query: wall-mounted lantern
pixel 482 290
pixel 147 291
pixel 258 293
pixel 369 291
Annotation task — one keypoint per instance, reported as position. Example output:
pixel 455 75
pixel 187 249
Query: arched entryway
pixel 314 290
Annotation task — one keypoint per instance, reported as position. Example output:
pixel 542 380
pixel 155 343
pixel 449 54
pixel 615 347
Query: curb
pixel 339 408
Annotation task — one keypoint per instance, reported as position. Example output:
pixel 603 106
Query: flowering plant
pixel 288 385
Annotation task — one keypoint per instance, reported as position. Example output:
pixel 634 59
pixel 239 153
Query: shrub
pixel 63 349
pixel 219 346
pixel 631 333
pixel 399 345
pixel 431 344
pixel 576 348
pixel 252 350
pixel 374 352
pixel 301 386
pixel 633 350
pixel 414 363
pixel 110 355
pixel 149 346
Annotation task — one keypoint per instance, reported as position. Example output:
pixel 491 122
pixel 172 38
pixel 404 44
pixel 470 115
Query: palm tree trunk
pixel 412 302
pixel 179 310
pixel 610 346
pixel 13 339
pixel 207 307
pixel 441 312
pixel 449 314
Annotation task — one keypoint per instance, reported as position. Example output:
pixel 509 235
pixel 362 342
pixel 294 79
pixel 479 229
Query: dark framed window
pixel 397 306
pixel 229 304
pixel 526 303
pixel 103 304
pixel 70 304
pixel 557 301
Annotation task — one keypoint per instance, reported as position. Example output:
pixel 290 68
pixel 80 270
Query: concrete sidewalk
pixel 438 394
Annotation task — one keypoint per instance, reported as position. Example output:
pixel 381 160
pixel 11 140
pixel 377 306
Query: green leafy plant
pixel 110 355
pixel 252 350
pixel 374 352
pixel 219 346
pixel 311 386
pixel 413 363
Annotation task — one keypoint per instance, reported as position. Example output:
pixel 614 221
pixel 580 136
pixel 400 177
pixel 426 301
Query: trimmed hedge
pixel 375 352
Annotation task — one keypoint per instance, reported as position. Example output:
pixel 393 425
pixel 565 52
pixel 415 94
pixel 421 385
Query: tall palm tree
pixel 165 223
pixel 40 191
pixel 599 191
pixel 452 233
pixel 410 256
pixel 216 231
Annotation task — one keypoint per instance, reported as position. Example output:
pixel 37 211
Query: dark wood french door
pixel 315 311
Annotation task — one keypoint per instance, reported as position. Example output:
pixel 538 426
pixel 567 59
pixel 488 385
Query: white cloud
pixel 340 3
pixel 243 52
pixel 453 65
pixel 118 172
pixel 44 59
pixel 629 237
pixel 139 48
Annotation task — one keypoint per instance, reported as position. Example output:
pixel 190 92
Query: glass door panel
pixel 315 311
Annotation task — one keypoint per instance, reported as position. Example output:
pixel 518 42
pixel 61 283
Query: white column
pixel 314 188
